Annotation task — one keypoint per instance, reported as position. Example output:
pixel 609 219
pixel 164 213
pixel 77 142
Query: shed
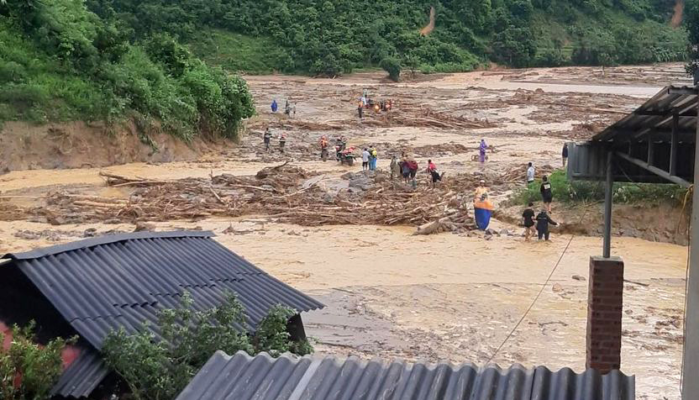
pixel 656 143
pixel 94 286
pixel 290 377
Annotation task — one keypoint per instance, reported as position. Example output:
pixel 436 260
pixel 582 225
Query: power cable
pixel 531 306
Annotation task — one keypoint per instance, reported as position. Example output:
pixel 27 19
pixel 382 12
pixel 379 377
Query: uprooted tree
pixel 160 367
pixel 28 370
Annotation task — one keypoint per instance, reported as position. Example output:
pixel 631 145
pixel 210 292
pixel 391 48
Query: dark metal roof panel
pixel 123 280
pixel 99 285
pixel 82 376
pixel 656 115
pixel 242 377
pixel 256 304
pixel 106 239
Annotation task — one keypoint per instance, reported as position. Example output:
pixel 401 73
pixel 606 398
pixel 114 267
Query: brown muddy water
pixel 443 297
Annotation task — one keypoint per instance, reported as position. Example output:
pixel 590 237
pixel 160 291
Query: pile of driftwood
pixel 423 117
pixel 283 193
pixel 519 174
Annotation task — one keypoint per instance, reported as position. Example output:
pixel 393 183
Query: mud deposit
pixel 348 237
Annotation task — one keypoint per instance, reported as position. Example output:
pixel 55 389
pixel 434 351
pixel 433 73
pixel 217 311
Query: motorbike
pixel 345 156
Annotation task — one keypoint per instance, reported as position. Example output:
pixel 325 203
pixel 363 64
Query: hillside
pixel 61 62
pixel 328 38
pixel 160 64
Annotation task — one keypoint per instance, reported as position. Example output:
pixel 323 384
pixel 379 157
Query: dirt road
pixel 452 296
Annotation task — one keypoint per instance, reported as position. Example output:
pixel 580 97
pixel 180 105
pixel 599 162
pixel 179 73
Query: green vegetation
pixel 160 369
pixel 392 66
pixel 331 37
pixel 236 52
pixel 59 62
pixel 589 192
pixel 141 60
pixel 28 370
pixel 691 22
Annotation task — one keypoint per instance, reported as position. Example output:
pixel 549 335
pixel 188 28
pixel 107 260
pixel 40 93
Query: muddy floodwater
pixel 455 296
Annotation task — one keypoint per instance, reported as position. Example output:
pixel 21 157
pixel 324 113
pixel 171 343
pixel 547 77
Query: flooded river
pixel 448 297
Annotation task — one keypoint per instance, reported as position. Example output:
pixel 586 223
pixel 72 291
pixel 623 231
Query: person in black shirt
pixel 565 154
pixel 546 194
pixel 528 216
pixel 542 224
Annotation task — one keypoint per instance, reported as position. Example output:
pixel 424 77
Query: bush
pixel 392 66
pixel 11 72
pixel 29 370
pixel 586 192
pixel 551 58
pixel 160 368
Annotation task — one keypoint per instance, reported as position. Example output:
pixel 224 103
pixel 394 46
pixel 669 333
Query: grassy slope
pixel 237 53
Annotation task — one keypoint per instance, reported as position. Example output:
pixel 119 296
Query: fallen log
pixel 118 181
pixel 432 227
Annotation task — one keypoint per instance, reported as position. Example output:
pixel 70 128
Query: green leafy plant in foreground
pixel 28 370
pixel 159 368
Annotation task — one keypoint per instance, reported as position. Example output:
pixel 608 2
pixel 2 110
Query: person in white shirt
pixel 530 174
pixel 365 160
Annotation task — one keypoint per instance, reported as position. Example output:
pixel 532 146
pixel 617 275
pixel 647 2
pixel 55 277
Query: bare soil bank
pixel 665 223
pixel 80 145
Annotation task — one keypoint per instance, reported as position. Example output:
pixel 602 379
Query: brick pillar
pixel 604 310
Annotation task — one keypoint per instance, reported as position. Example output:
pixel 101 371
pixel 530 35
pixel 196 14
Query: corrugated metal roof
pixel 99 285
pixel 82 376
pixel 656 115
pixel 242 377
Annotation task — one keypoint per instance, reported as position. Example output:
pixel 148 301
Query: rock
pixel 55 220
pixel 89 232
pixel 144 227
pixel 579 278
pixel 505 232
pixel 557 288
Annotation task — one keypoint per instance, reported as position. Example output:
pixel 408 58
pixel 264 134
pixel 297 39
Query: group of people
pixel 542 220
pixel 538 223
pixel 407 167
pixel 366 103
pixel 289 109
pixel 370 157
pixel 267 139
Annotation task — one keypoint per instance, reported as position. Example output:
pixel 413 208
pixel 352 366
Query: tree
pixel 28 370
pixel 392 66
pixel 691 22
pixel 159 368
pixel 514 46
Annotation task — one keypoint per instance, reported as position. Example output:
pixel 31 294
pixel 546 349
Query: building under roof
pixel 289 377
pixel 95 286
pixel 654 144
